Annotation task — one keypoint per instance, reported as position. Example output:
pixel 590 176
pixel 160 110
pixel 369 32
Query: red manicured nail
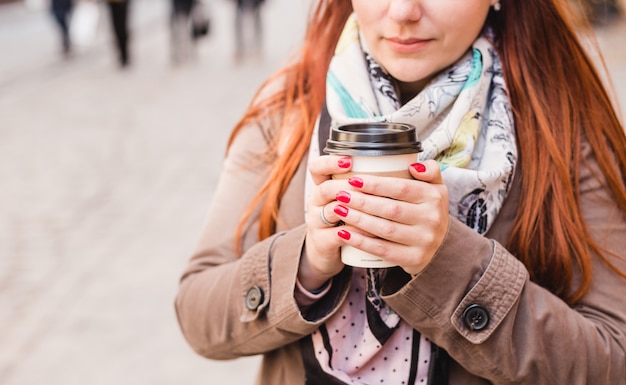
pixel 355 181
pixel 419 167
pixel 343 234
pixel 340 210
pixel 343 196
pixel 344 162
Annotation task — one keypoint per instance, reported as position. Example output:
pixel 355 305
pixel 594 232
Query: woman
pixel 509 239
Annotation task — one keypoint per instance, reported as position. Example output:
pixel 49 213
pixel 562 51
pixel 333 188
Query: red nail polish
pixel 340 210
pixel 343 196
pixel 355 181
pixel 419 167
pixel 343 234
pixel 344 162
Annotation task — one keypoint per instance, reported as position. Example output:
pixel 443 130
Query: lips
pixel 407 45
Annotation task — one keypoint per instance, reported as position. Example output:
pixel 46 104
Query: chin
pixel 406 77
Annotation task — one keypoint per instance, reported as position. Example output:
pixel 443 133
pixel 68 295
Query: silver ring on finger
pixel 325 221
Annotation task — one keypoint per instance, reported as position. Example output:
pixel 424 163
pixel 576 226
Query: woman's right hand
pixel 321 259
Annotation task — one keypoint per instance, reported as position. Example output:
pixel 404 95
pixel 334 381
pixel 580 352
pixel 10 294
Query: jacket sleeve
pixel 475 300
pixel 231 304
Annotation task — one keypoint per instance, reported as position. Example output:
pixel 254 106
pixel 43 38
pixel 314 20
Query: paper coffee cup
pixel 380 148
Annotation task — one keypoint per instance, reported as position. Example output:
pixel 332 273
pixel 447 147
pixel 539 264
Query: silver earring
pixel 497 6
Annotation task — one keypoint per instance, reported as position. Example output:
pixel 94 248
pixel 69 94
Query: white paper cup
pixel 385 149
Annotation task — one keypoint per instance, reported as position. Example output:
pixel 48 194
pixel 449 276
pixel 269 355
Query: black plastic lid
pixel 373 139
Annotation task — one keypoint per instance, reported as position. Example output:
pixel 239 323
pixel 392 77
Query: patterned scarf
pixel 463 118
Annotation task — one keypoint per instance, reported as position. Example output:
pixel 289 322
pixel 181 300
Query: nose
pixel 405 10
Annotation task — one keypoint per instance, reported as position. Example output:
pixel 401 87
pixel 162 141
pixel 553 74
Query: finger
pixel 326 191
pixel 406 190
pixel 324 240
pixel 401 233
pixel 322 215
pixel 399 254
pixel 324 218
pixel 427 171
pixel 383 207
pixel 323 167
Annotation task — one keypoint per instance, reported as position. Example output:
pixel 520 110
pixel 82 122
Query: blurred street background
pixel 105 177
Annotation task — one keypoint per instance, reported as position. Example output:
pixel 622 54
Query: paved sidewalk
pixel 106 176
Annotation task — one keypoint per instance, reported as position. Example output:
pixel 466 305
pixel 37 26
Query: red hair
pixel 556 102
pixel 558 99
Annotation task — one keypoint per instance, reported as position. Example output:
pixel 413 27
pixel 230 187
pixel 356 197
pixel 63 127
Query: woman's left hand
pixel 401 220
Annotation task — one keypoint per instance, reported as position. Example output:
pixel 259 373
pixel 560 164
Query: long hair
pixel 557 97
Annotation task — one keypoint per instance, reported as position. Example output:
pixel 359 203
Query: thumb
pixel 427 171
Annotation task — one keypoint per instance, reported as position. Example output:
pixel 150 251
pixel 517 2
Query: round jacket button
pixel 476 317
pixel 254 297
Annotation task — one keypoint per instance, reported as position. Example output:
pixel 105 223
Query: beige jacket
pixel 230 307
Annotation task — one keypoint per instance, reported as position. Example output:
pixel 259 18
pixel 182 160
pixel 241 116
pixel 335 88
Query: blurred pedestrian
pixel 119 20
pixel 190 20
pixel 180 27
pixel 61 10
pixel 248 30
